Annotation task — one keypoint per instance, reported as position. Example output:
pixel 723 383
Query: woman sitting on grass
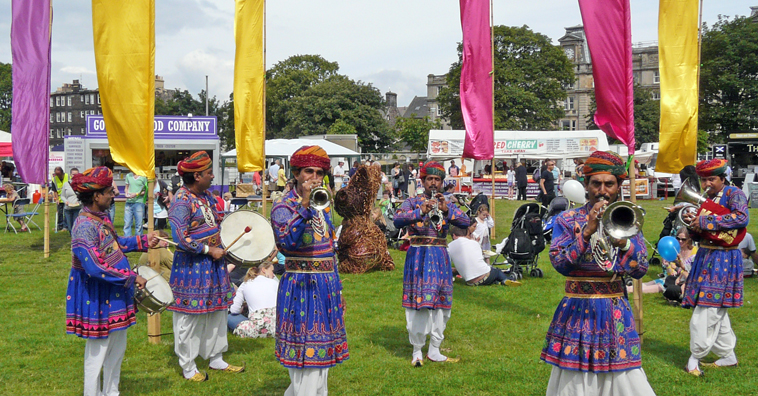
pixel 258 290
pixel 672 286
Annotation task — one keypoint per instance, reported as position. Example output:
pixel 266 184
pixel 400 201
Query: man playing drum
pixel 592 342
pixel 715 280
pixel 199 281
pixel 100 295
pixel 428 276
pixel 310 327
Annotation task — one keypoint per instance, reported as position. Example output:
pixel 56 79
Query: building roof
pixel 418 107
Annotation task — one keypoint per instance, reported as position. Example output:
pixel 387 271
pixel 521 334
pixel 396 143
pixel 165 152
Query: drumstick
pixel 151 278
pixel 167 241
pixel 247 229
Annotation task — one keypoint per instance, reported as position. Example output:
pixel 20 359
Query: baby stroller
pixel 522 248
pixel 556 206
pixel 394 235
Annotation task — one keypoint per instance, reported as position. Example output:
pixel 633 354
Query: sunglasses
pixel 681 239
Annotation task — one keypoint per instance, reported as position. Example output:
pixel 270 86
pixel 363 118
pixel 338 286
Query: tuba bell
pixel 690 199
pixel 621 220
pixel 321 198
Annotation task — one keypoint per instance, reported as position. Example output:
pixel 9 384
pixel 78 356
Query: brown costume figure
pixel 362 245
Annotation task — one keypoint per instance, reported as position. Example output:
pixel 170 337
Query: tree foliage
pixel 415 131
pixel 647 116
pixel 729 76
pixel 6 96
pixel 530 73
pixel 183 103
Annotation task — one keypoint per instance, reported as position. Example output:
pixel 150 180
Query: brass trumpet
pixel 621 220
pixel 435 215
pixel 320 198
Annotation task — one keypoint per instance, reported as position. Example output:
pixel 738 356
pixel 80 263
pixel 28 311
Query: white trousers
pixel 423 322
pixel 307 382
pixel 104 354
pixel 203 335
pixel 580 383
pixel 711 330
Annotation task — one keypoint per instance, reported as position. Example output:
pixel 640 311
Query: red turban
pixel 605 162
pixel 197 162
pixel 310 156
pixel 92 179
pixel 714 167
pixel 432 168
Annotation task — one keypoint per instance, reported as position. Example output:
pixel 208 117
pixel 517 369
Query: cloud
pixel 77 70
pixel 405 85
pixel 192 68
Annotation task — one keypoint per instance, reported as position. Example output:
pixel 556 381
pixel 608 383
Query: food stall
pixel 514 146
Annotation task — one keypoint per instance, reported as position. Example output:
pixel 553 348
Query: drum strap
pixel 107 225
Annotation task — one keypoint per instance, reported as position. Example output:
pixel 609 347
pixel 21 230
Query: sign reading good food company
pixel 165 127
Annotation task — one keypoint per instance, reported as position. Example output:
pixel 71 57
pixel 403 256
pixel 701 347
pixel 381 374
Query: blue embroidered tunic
pixel 593 327
pixel 427 276
pixel 716 277
pixel 200 283
pixel 100 294
pixel 310 326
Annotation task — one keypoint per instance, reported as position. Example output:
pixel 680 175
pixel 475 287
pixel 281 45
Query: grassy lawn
pixel 497 331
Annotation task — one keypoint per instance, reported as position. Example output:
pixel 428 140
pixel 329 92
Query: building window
pixel 656 95
pixel 92 98
pixel 68 100
pixel 51 102
pixel 82 131
pixel 52 133
pixel 57 101
pixel 98 98
pixel 568 125
pixel 81 97
pixel 439 112
pixel 81 114
pixel 51 117
pixel 86 99
pixel 68 131
pixel 70 118
pixel 637 77
pixel 57 117
pixel 656 77
pixel 569 105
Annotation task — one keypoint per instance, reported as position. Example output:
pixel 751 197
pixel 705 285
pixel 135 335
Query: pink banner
pixel 30 127
pixel 476 80
pixel 607 25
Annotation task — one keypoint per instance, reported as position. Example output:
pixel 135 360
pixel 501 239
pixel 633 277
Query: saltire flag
pixel 476 80
pixel 679 68
pixel 607 25
pixel 124 34
pixel 249 85
pixel 30 126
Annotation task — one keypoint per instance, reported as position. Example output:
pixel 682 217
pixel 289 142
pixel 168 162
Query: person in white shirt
pixel 749 255
pixel 339 173
pixel 483 224
pixel 466 255
pixel 258 290
pixel 273 175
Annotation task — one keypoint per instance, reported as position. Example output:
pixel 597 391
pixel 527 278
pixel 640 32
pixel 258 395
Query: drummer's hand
pixel 593 219
pixel 308 185
pixel 140 282
pixel 216 253
pixel 153 241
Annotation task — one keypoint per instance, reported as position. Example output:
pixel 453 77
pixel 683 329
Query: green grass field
pixel 497 331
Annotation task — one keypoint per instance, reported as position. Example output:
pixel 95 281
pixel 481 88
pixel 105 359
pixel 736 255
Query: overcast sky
pixel 393 44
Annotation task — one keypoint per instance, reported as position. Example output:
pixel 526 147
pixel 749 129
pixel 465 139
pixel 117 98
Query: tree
pixel 341 127
pixel 314 111
pixel 530 74
pixel 415 131
pixel 6 96
pixel 183 103
pixel 647 116
pixel 729 76
pixel 287 80
pixel 226 124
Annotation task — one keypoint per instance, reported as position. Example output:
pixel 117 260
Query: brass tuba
pixel 321 198
pixel 621 220
pixel 690 199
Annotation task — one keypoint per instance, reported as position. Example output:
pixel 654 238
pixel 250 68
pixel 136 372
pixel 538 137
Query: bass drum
pixel 255 246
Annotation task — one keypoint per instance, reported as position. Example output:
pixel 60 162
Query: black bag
pixel 176 183
pixel 519 244
pixel 672 292
pixel 536 175
pixel 533 225
pixel 478 201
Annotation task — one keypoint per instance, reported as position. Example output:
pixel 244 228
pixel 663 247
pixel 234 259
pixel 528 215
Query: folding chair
pixel 29 217
pixel 12 215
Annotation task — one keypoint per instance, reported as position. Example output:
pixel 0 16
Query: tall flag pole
pixel 679 65
pixel 31 29
pixel 124 34
pixel 608 27
pixel 249 85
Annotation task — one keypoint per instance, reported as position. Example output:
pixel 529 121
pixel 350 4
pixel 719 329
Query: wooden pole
pixel 636 283
pixel 45 192
pixel 154 320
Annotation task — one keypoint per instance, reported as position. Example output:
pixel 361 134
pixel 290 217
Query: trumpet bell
pixel 623 220
pixel 321 198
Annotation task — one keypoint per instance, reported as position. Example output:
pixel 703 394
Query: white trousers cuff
pixel 203 335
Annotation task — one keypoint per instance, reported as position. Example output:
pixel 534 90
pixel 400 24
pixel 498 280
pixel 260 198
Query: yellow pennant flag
pixel 679 66
pixel 125 57
pixel 249 85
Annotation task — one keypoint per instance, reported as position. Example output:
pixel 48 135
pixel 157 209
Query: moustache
pixel 603 197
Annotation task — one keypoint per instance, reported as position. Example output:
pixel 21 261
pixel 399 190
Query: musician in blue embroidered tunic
pixel 199 280
pixel 100 295
pixel 427 276
pixel 310 326
pixel 592 341
pixel 715 280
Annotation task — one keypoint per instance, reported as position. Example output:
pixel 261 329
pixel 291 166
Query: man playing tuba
pixel 592 341
pixel 715 281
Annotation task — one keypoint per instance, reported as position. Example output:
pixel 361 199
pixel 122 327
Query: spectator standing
pixel 273 175
pixel 579 171
pixel 522 180
pixel 483 224
pixel 453 170
pixel 411 178
pixel 339 174
pixel 60 179
pixel 511 174
pixel 281 179
pixel 116 193
pixel 547 185
pixel 71 203
pixel 257 182
pixel 354 168
pixel 134 210
pixel 557 177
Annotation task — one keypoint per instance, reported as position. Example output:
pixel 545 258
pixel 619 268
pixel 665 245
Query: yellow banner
pixel 125 57
pixel 249 85
pixel 679 66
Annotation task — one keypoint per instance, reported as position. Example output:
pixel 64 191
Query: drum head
pixel 156 285
pixel 256 245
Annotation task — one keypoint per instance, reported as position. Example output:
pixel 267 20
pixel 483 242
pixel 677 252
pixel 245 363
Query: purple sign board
pixel 165 127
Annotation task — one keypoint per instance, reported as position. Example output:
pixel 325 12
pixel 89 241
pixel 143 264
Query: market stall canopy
pixel 285 147
pixel 522 144
pixel 6 150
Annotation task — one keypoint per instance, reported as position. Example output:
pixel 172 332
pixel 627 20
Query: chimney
pixel 391 99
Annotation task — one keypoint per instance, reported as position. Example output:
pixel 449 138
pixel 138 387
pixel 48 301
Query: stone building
pixel 428 106
pixel 69 106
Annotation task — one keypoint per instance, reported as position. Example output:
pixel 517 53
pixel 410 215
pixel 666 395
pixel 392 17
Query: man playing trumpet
pixel 715 281
pixel 592 341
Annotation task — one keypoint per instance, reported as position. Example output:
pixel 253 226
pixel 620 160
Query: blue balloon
pixel 668 248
